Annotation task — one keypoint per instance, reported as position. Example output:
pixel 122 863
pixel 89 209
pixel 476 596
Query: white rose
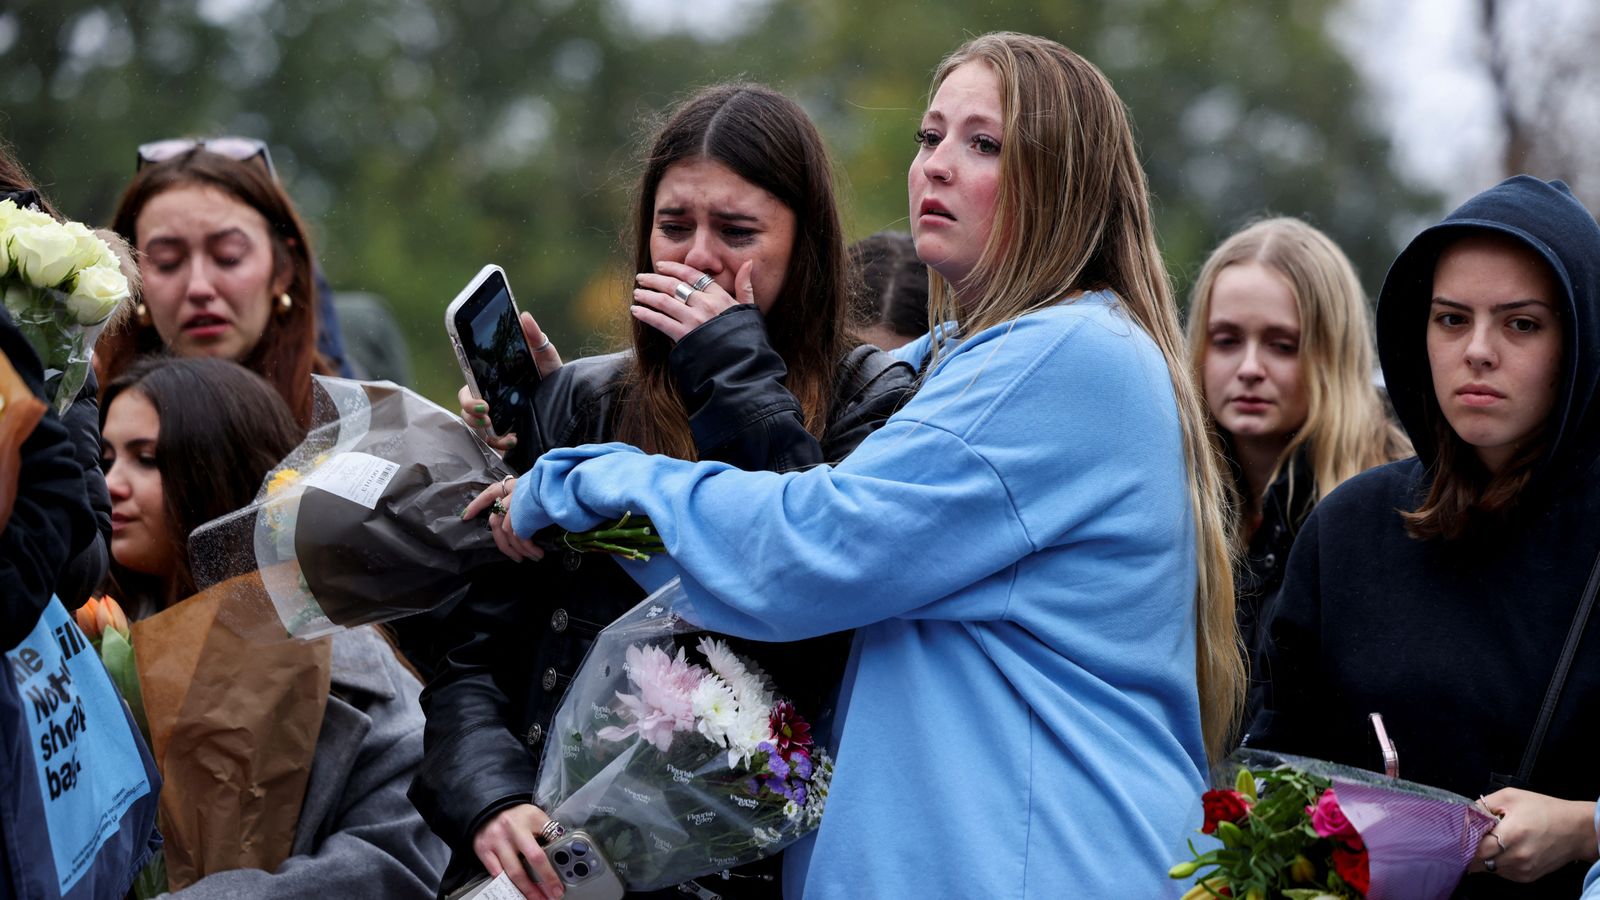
pixel 91 250
pixel 14 216
pixel 97 293
pixel 44 254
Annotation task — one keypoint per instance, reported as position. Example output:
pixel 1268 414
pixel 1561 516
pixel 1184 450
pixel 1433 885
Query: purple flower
pixel 778 766
pixel 801 760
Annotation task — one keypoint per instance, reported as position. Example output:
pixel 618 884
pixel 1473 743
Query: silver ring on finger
pixel 1489 865
pixel 701 283
pixel 682 292
pixel 551 831
pixel 542 347
pixel 1498 841
pixel 498 507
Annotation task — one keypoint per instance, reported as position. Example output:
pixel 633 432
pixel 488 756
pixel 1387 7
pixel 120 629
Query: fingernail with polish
pixel 480 409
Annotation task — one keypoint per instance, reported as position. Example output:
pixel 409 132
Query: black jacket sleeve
pixel 732 385
pixel 51 515
pixel 473 766
pixel 741 412
pixel 87 567
pixel 1286 692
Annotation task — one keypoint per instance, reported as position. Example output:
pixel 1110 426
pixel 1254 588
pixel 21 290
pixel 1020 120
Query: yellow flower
pixel 1206 890
pixel 1301 869
pixel 283 479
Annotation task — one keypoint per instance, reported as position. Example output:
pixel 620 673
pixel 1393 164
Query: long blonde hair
pixel 1346 430
pixel 1073 214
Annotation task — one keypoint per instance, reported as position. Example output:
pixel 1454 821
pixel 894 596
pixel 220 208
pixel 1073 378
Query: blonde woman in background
pixel 1033 551
pixel 1281 340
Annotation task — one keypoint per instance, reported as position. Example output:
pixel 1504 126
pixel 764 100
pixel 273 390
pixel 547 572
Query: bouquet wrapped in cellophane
pixel 676 753
pixel 61 284
pixel 1306 829
pixel 362 522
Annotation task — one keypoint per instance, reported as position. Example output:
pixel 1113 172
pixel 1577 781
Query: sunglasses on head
pixel 243 149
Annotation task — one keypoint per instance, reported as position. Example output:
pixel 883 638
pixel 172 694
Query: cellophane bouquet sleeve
pixel 362 522
pixel 62 285
pixel 1298 828
pixel 677 753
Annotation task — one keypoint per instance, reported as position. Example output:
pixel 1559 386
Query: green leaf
pixel 1245 784
pixel 117 654
pixel 152 879
pixel 1232 836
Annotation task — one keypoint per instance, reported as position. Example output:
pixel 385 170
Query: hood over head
pixel 1546 217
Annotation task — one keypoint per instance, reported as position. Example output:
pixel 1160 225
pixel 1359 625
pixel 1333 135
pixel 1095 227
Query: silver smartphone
pixel 495 358
pixel 583 868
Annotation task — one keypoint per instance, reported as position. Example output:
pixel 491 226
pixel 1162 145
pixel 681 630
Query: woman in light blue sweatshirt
pixel 1032 550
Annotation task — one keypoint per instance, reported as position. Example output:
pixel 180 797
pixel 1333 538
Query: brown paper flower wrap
pixel 233 727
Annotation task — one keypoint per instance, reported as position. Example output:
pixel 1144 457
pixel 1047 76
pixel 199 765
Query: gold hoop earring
pixel 285 303
pixel 141 314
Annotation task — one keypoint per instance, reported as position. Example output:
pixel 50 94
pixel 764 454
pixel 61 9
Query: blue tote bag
pixel 78 787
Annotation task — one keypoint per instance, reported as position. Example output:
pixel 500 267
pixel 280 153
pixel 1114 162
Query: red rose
pixel 1351 864
pixel 1223 806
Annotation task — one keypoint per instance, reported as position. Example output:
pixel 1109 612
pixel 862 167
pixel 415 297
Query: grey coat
pixel 358 835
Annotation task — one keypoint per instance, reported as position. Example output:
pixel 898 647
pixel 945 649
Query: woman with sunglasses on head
pixel 1447 592
pixel 187 441
pixel 740 354
pixel 1280 341
pixel 1033 551
pixel 227 270
pixel 330 339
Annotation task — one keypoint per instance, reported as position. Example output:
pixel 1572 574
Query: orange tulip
pixel 100 613
pixel 86 616
pixel 118 618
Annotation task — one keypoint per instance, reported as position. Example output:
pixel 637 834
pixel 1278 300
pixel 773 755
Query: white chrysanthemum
pixel 723 661
pixel 716 711
pixel 752 725
pixel 792 811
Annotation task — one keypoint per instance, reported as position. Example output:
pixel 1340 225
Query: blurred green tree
pixel 424 139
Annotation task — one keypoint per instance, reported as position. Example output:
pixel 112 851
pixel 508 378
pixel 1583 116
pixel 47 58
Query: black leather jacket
pixel 520 634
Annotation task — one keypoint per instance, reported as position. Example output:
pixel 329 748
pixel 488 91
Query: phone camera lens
pixel 581 870
pixel 579 848
pixel 561 858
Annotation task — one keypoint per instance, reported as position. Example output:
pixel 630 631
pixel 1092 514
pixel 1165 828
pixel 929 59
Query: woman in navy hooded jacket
pixel 1439 591
pixel 1032 549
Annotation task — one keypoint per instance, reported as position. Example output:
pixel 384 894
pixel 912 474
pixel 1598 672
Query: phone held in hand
pixel 583 869
pixel 494 355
